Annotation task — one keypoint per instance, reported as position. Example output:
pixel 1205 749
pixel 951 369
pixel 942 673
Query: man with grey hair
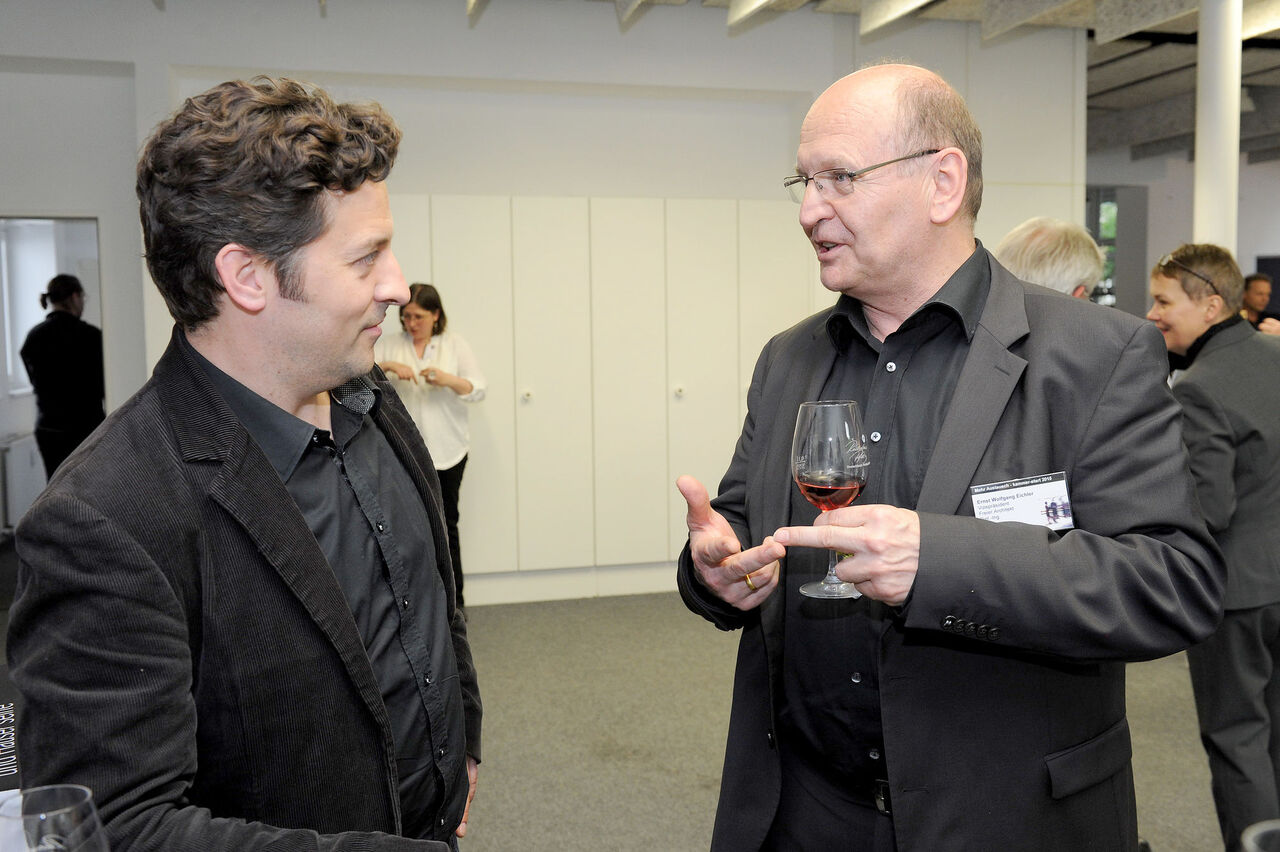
pixel 972 697
pixel 1053 253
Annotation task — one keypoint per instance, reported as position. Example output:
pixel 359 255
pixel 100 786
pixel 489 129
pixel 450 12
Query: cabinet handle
pixel 679 391
pixel 527 396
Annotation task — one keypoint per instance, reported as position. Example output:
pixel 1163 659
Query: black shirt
pixel 830 711
pixel 1263 315
pixel 63 357
pixel 372 526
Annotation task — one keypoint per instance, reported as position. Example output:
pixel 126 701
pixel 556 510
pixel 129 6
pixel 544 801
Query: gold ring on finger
pixel 750 585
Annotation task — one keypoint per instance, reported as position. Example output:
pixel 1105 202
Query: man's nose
pixel 392 287
pixel 813 206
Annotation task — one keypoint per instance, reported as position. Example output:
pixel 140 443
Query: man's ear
pixel 1079 292
pixel 950 177
pixel 243 276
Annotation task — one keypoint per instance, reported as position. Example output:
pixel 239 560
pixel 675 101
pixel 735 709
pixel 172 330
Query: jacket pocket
pixel 1074 769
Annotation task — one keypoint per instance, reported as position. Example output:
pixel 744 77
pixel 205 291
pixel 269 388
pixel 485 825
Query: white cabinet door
pixel 775 260
pixel 411 213
pixel 551 271
pixel 629 358
pixel 702 345
pixel 471 243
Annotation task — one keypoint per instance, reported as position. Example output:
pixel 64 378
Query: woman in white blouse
pixel 437 375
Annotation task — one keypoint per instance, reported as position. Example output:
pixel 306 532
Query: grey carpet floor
pixel 605 721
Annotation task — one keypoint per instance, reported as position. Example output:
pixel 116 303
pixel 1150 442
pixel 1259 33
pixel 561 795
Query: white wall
pixel 1170 183
pixel 68 141
pixel 534 98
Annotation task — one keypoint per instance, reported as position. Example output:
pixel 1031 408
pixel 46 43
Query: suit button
pixel 948 622
pixel 971 629
pixel 982 631
pixel 959 626
pixel 993 634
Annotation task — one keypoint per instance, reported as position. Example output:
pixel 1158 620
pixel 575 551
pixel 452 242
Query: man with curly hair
pixel 235 618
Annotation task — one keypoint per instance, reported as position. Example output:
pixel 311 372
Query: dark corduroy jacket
pixel 183 648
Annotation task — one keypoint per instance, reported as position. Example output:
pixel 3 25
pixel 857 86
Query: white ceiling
pixel 1142 56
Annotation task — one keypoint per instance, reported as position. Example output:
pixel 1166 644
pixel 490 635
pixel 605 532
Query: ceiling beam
pixel 839 6
pixel 627 8
pixel 1119 18
pixel 1259 143
pixel 1001 16
pixel 742 10
pixel 1172 145
pixel 1147 123
pixel 1258 17
pixel 1264 156
pixel 881 13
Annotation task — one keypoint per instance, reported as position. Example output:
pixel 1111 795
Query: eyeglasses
pixel 839 182
pixel 1170 260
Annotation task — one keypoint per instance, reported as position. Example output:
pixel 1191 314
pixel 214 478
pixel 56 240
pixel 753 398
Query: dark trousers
pixel 450 485
pixel 815 815
pixel 1235 676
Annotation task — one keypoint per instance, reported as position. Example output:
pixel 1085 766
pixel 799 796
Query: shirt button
pixel 890 367
pixel 856 677
pixel 440 753
pixel 426 679
pixel 404 602
pixel 381 526
pixel 875 436
pixel 874 754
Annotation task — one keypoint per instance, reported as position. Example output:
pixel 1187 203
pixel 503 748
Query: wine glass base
pixel 823 589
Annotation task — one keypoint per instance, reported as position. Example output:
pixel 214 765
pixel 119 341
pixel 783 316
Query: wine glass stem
pixel 831 578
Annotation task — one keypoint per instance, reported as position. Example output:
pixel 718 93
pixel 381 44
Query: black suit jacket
pixel 184 649
pixel 1002 680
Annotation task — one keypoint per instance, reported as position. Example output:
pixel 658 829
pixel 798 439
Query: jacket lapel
pixel 799 380
pixel 987 379
pixel 249 489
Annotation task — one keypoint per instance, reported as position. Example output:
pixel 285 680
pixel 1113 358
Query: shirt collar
pixel 961 298
pixel 283 437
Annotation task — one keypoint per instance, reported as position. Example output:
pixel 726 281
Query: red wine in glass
pixel 831 491
pixel 829 461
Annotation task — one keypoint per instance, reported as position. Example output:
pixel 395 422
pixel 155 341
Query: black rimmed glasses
pixel 839 182
pixel 1170 260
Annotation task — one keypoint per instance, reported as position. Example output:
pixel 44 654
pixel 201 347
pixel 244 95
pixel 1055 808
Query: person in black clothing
pixel 1257 297
pixel 63 357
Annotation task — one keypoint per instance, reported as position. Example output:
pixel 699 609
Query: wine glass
pixel 829 461
pixel 1262 836
pixel 61 816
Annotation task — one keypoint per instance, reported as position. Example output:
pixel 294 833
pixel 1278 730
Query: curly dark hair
pixel 250 163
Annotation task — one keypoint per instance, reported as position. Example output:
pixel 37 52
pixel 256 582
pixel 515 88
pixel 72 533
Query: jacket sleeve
pixel 1206 430
pixel 100 648
pixel 1140 577
pixel 731 502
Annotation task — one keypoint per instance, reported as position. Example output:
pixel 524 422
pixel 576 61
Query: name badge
pixel 1040 500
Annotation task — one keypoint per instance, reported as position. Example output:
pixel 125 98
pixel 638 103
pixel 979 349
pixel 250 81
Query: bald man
pixel 1028 523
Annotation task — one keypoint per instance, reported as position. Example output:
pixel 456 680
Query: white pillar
pixel 1217 166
